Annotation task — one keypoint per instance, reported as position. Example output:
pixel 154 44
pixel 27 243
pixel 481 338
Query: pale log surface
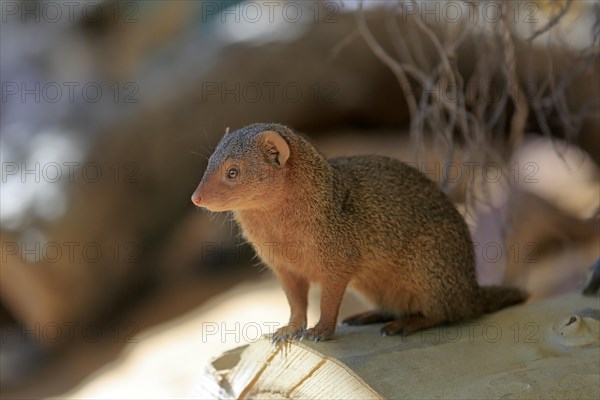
pixel 516 353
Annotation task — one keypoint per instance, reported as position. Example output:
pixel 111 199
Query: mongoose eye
pixel 233 172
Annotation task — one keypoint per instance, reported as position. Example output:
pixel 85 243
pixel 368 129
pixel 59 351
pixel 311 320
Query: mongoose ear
pixel 277 148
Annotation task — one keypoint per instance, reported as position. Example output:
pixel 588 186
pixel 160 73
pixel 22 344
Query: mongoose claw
pixel 387 332
pixel 392 328
pixel 287 333
pixel 318 333
pixel 277 340
pixel 311 335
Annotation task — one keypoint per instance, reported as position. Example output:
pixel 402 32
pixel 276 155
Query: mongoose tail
pixel 495 298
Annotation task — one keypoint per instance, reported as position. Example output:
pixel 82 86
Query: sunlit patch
pixel 34 185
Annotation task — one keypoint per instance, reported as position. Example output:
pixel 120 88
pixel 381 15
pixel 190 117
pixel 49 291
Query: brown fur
pixel 370 222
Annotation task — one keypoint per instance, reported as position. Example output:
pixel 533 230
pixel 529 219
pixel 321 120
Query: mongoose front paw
pixel 288 333
pixel 319 332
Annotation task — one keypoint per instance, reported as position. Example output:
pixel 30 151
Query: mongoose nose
pixel 196 199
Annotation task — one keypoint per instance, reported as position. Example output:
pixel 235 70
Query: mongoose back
pixel 370 222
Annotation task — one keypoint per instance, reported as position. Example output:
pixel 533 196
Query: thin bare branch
pixel 387 60
pixel 519 119
pixel 553 21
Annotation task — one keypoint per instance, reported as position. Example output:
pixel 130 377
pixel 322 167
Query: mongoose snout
pixel 196 199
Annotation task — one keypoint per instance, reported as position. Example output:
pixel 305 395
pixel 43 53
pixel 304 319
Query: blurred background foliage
pixel 110 109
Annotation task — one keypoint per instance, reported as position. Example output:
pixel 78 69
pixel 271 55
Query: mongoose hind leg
pixel 369 317
pixel 409 324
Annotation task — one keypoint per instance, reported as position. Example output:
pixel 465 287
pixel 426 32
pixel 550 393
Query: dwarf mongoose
pixel 370 222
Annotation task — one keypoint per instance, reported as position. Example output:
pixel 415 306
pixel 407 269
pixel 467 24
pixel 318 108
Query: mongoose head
pixel 246 170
